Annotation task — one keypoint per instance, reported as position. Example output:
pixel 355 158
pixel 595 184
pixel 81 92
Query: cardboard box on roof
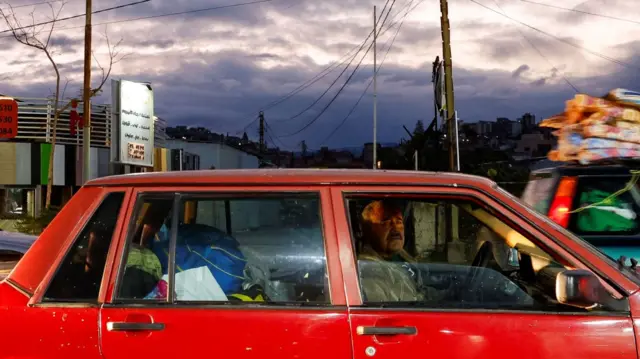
pixel 596 129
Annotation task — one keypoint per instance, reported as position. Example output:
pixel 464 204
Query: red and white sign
pixel 8 118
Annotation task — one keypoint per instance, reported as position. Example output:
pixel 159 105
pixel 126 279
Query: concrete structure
pixel 215 155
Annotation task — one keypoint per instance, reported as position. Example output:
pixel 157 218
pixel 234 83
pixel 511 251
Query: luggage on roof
pixel 597 129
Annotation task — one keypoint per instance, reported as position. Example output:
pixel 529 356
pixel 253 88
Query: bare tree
pixel 38 37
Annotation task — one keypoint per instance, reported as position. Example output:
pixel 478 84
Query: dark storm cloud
pixel 509 44
pixel 62 43
pixel 224 89
pixel 198 93
pixel 243 15
pixel 520 70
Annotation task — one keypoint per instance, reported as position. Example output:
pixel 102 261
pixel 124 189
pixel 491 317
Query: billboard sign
pixel 132 123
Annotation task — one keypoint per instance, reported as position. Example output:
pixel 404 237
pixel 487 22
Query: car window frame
pixel 37 300
pixel 352 281
pixel 336 289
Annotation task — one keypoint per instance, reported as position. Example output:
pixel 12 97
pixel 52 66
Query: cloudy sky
pixel 218 68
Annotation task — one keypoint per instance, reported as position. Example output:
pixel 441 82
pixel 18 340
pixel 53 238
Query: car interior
pixel 284 256
pixel 485 263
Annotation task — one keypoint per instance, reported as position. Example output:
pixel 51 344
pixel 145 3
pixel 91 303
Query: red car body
pixel 34 328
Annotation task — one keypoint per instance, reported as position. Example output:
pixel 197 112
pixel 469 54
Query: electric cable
pixel 540 52
pixel 582 12
pixel 344 120
pixel 621 63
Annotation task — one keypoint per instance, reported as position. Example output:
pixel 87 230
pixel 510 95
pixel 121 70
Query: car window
pixel 538 192
pixel 79 276
pixel 406 257
pixel 261 249
pixel 603 207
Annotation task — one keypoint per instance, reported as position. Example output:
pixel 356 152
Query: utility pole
pixel 448 81
pixel 86 96
pixel 261 116
pixel 375 91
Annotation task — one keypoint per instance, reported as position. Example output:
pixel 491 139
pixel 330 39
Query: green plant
pixel 35 225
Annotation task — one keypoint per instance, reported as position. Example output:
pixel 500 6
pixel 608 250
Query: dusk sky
pixel 217 68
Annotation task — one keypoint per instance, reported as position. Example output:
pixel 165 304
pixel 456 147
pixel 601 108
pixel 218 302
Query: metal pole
pixel 261 133
pixel 375 91
pixel 457 142
pixel 86 96
pixel 448 78
pixel 415 155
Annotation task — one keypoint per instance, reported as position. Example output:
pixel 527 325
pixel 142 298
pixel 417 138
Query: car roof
pixel 290 177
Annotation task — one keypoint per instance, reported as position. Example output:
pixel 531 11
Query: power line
pixel 342 72
pixel 337 93
pixel 333 99
pixel 540 52
pixel 582 12
pixel 322 73
pixel 269 130
pixel 35 4
pixel 344 120
pixel 621 63
pixel 75 16
pixel 166 14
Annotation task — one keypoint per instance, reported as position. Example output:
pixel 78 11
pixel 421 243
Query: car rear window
pixel 604 207
pixel 538 193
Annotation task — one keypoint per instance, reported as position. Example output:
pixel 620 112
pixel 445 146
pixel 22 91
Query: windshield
pixel 629 273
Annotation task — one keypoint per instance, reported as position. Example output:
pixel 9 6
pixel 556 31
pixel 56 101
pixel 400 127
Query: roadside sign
pixel 8 118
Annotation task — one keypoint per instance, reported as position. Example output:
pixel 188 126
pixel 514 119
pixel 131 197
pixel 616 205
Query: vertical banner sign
pixel 134 123
pixel 8 118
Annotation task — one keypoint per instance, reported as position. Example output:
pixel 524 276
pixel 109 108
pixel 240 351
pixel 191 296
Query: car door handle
pixel 386 330
pixel 134 327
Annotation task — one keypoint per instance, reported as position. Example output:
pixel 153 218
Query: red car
pixel 312 264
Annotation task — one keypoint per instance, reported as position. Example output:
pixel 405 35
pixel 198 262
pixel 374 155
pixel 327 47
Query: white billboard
pixel 132 123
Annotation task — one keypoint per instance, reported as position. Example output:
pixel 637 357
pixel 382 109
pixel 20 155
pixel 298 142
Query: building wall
pixel 216 155
pixel 27 164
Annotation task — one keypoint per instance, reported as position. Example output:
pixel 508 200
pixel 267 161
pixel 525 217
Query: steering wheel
pixel 483 256
pixel 481 260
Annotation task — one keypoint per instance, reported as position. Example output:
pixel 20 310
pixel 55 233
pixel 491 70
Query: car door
pixel 239 272
pixel 61 319
pixel 473 300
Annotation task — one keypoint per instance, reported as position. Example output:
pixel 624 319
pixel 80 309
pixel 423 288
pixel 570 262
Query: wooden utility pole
pixel 86 96
pixel 448 82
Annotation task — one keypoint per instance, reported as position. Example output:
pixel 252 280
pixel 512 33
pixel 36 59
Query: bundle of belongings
pixel 596 129
pixel 209 267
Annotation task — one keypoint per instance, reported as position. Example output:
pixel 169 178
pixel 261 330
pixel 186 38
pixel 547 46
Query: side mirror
pixel 579 288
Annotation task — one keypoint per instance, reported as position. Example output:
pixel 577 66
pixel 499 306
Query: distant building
pixel 215 155
pixel 528 122
pixel 534 145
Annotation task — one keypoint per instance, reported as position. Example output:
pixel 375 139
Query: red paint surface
pixel 77 331
pixel 231 333
pixel 460 335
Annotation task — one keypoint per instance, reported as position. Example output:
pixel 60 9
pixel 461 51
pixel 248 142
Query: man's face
pixel 386 228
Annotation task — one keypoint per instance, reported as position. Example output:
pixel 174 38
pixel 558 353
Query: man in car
pixel 385 271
